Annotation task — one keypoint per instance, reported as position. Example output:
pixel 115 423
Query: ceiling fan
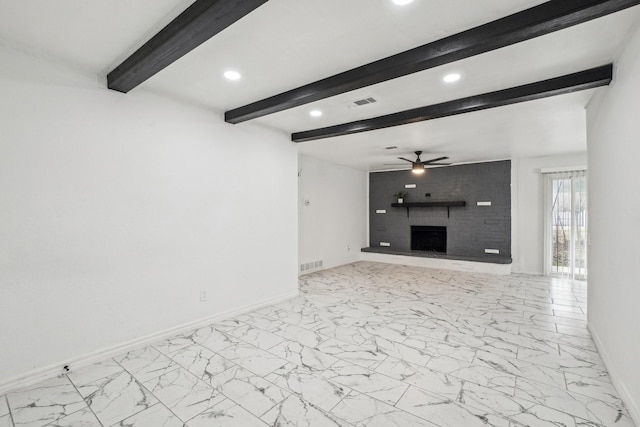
pixel 417 166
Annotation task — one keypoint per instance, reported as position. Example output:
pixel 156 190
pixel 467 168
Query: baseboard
pixel 632 406
pixel 41 374
pixel 446 264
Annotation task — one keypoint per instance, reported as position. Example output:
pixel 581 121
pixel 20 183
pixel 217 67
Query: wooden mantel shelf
pixel 429 205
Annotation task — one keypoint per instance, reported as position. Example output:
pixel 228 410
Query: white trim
pixel 563 169
pixel 40 374
pixel 446 264
pixel 632 406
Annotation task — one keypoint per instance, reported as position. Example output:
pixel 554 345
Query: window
pixel 566 223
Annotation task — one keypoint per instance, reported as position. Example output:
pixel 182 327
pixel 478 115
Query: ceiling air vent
pixel 365 101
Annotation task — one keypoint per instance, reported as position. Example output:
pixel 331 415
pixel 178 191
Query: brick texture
pixel 470 229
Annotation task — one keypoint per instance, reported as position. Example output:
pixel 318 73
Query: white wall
pixel 117 210
pixel 528 208
pixel 613 135
pixel 336 216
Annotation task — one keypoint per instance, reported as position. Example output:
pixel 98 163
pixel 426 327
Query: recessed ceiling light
pixel 451 78
pixel 232 75
pixel 402 2
pixel 315 113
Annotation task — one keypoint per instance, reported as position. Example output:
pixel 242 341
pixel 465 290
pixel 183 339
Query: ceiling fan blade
pixel 437 164
pixel 394 164
pixel 434 160
pixel 405 159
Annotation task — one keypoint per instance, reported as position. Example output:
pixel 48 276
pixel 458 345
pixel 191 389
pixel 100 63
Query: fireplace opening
pixel 428 238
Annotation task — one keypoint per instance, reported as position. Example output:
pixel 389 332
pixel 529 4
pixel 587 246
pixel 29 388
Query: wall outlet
pixel 381 211
pixel 203 295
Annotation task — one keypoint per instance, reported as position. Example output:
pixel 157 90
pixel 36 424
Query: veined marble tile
pixel 176 343
pixel 370 334
pixel 365 381
pixel 146 363
pixel 492 342
pixel 226 414
pixel 541 416
pixel 365 357
pixel 294 412
pixel 580 331
pixel 213 339
pixel 521 368
pixel 94 372
pixel 391 331
pixel 578 405
pixel 520 410
pixel 362 410
pixel 470 328
pixel 594 388
pixel 565 321
pixel 559 361
pixel 477 374
pixel 262 322
pixel 252 392
pixel 421 377
pixel 304 356
pixel 446 412
pixel 311 387
pixel 45 402
pixel 183 393
pixel 5 421
pixel 157 416
pixel 82 418
pixel 116 397
pixel 435 348
pixel 432 333
pixel 522 342
pixel 252 358
pixel 347 334
pixel 303 336
pixel 480 325
pixel 200 361
pixel 401 351
pixel 255 336
pixel 584 343
pixel 4 406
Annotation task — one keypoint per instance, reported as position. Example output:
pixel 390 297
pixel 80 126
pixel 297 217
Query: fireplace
pixel 428 238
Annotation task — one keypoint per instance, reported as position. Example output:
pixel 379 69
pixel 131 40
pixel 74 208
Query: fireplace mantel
pixel 448 205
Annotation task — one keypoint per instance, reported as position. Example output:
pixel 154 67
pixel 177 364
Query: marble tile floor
pixel 366 344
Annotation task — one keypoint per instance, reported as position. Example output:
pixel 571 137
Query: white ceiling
pixel 287 43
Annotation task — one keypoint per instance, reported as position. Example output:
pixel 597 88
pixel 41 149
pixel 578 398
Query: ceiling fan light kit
pixel 417 166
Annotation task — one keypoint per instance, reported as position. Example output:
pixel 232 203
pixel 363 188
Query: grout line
pixel 83 399
pixel 6 399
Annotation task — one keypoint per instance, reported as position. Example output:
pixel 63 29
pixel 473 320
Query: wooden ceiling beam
pixel 537 21
pixel 197 24
pixel 588 79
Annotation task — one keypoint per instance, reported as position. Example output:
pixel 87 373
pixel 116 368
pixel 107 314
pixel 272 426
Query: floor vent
pixel 314 265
